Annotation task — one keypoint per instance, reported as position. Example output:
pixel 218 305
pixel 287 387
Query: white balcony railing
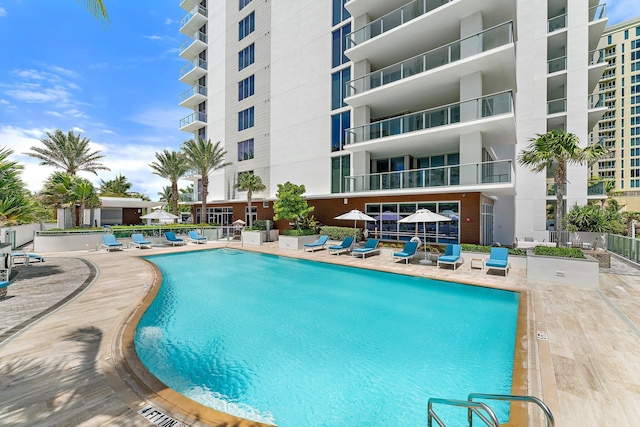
pixel 192 118
pixel 198 10
pixel 393 19
pixel 197 89
pixel 473 174
pixel 474 109
pixel 196 63
pixel 557 23
pixel 198 36
pixel 598 12
pixel 441 56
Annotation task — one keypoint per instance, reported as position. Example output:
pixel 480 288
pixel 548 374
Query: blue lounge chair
pixel 451 256
pixel 371 247
pixel 5 273
pixel 109 242
pixel 498 260
pixel 407 252
pixel 25 258
pixel 345 246
pixel 318 244
pixel 171 238
pixel 138 240
pixel 196 238
pixel 3 288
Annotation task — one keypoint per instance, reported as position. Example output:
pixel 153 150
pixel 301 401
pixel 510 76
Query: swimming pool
pixel 292 342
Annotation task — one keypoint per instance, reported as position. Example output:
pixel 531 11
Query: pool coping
pixel 133 381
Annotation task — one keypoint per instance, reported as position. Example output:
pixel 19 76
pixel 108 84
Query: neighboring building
pixel 619 128
pixel 392 105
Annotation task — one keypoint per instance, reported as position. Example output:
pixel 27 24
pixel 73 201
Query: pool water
pixel 299 343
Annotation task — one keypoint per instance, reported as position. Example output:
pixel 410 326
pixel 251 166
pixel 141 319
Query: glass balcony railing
pixel 393 19
pixel 598 12
pixel 197 63
pixel 557 64
pixel 466 111
pixel 557 23
pixel 596 101
pixel 198 10
pixel 194 117
pixel 461 49
pixel 468 175
pixel 597 189
pixel 557 106
pixel 607 86
pixel 596 56
pixel 610 52
pixel 197 89
pixel 607 127
pixel 188 42
pixel 191 197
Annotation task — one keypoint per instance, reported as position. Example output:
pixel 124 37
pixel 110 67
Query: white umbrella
pixel 238 222
pixel 159 215
pixel 424 216
pixel 355 215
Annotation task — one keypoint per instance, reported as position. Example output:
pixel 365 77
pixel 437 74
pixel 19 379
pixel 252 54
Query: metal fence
pixel 624 246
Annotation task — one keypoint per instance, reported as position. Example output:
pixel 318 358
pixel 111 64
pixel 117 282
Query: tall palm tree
pixel 63 190
pixel 165 194
pixel 14 203
pixel 117 187
pixel 204 157
pixel 559 148
pixel 171 165
pixel 249 182
pixel 69 152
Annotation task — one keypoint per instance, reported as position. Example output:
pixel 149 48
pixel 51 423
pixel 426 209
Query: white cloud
pixel 77 129
pixel 107 131
pixel 3 12
pixel 4 101
pixel 29 93
pixel 54 114
pixel 169 21
pixel 153 37
pixel 622 10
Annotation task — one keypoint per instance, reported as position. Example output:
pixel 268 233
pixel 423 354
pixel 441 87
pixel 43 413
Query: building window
pixel 247 26
pixel 339 124
pixel 339 12
pixel 245 150
pixel 339 81
pixel 245 119
pixel 202 133
pixel 626 34
pixel 339 45
pixel 246 88
pixel 637 31
pixel 246 56
pixel 608 39
pixel 243 3
pixel 340 168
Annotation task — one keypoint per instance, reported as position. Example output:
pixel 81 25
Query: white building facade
pixel 388 106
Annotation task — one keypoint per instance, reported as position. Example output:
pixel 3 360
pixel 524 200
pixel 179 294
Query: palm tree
pixel 250 182
pixel 559 148
pixel 171 165
pixel 204 158
pixel 84 197
pixel 96 7
pixel 117 187
pixel 63 190
pixel 14 203
pixel 165 194
pixel 68 152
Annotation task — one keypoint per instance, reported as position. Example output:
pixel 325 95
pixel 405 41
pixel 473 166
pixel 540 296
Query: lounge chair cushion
pixel 448 258
pixel 496 263
pixel 4 284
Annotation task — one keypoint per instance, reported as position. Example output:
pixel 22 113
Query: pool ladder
pixel 482 410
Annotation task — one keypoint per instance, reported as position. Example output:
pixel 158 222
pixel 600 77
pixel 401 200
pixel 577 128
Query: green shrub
pixel 302 232
pixel 467 247
pixel 559 252
pixel 339 233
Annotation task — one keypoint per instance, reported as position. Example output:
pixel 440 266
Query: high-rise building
pixel 388 106
pixel 619 128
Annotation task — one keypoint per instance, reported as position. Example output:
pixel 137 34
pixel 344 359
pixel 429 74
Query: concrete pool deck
pixel 60 370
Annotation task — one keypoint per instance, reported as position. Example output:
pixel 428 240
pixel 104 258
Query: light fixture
pixel 346 201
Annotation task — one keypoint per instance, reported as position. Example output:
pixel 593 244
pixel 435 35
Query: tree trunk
pixel 249 196
pixel 174 198
pixel 205 192
pixel 561 179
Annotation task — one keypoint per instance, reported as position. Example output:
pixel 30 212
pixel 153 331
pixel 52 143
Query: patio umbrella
pixel 424 216
pixel 159 215
pixel 355 215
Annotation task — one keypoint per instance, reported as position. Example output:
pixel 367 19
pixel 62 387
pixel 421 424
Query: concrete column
pixel 470 152
pixel 469 25
pixel 360 165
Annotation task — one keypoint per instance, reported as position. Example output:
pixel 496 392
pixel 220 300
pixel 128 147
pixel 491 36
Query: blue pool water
pixel 298 343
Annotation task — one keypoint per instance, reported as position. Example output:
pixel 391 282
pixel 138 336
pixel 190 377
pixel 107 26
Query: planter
pixel 295 243
pixel 254 238
pixel 515 261
pixel 66 242
pixel 572 271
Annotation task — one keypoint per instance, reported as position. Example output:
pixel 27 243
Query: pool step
pixel 482 411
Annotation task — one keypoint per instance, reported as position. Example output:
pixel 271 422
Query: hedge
pixel 559 252
pixel 339 233
pixel 303 232
pixel 467 247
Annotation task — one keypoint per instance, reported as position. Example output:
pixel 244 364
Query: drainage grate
pixel 158 418
pixel 542 336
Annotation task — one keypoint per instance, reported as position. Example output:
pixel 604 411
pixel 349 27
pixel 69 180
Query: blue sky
pixel 117 84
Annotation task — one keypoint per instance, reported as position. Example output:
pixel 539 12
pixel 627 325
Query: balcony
pixel 492 115
pixel 557 106
pixel 193 122
pixel 437 73
pixel 193 96
pixel 607 126
pixel 608 75
pixel 392 20
pixel 597 22
pixel 191 47
pixel 191 197
pixel 597 189
pixel 597 65
pixel 607 87
pixel 373 8
pixel 419 26
pixel 492 178
pixel 596 108
pixel 557 23
pixel 552 189
pixel 556 65
pixel 188 4
pixel 193 71
pixel 193 20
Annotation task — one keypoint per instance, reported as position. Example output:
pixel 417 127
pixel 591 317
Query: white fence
pixel 20 235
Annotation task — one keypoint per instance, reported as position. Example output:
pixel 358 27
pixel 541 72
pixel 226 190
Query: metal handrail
pixel 472 408
pixel 513 398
